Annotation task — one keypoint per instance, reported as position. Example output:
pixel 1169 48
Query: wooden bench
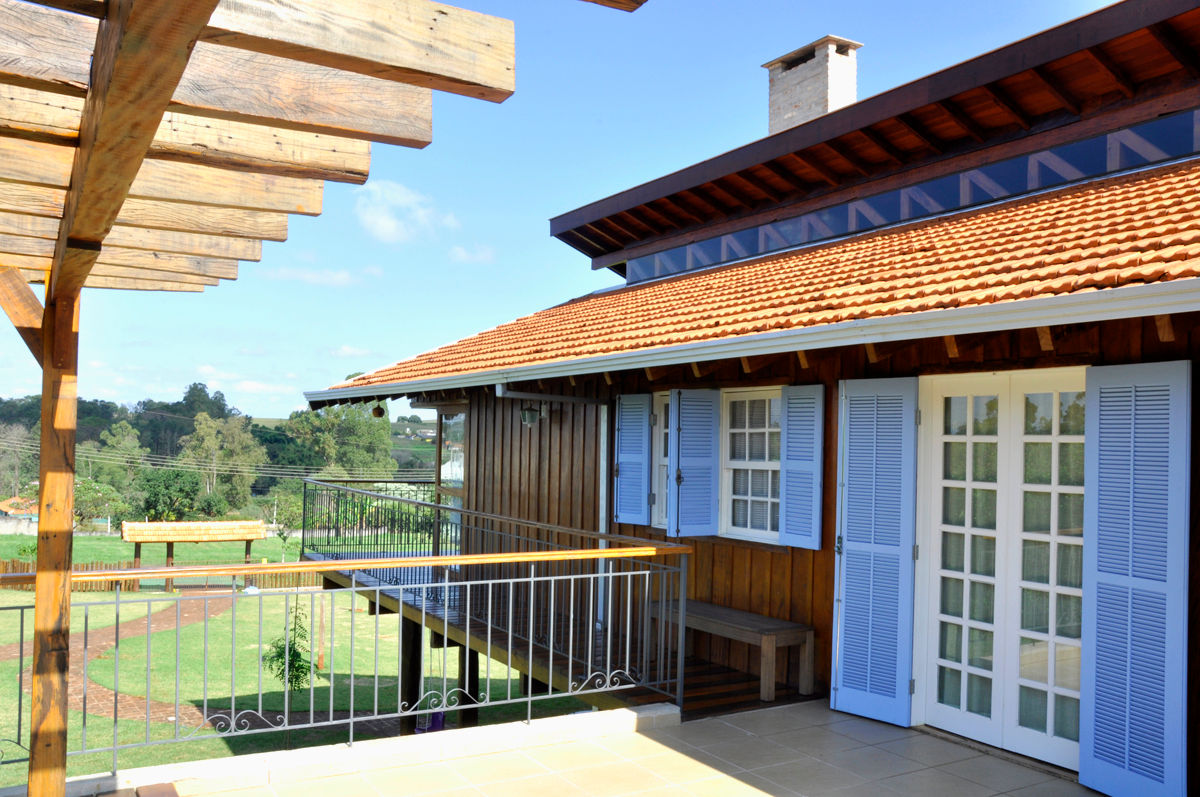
pixel 768 633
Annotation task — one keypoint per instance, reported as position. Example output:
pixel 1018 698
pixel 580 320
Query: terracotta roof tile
pixel 1126 230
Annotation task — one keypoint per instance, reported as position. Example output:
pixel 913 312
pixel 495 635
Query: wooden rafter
pixel 1002 100
pixel 185 243
pixel 1050 84
pixel 180 217
pixel 1176 47
pixel 951 109
pixel 1114 72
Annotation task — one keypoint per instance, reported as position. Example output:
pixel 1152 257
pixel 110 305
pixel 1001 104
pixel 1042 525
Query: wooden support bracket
pixel 1045 340
pixel 802 356
pixel 23 309
pixel 951 346
pixel 1165 329
pixel 608 380
pixel 652 373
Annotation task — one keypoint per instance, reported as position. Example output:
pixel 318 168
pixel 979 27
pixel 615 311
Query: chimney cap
pixel 806 52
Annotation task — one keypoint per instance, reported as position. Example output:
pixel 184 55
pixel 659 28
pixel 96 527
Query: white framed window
pixel 750 446
pixel 660 445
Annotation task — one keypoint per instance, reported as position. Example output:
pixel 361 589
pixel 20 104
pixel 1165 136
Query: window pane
pixel 983 602
pixel 737 446
pixel 983 555
pixel 1068 615
pixel 949 687
pixel 737 415
pixel 758 446
pixel 760 483
pixel 1035 561
pixel 774 516
pixel 773 446
pixel 979 695
pixel 775 409
pixel 1070 514
pixel 1035 661
pixel 741 482
pixel 1035 610
pixel 775 484
pixel 983 462
pixel 954 506
pixel 952 596
pixel 1066 666
pixel 983 509
pixel 741 513
pixel 979 648
pixel 950 641
pixel 1031 709
pixel 757 414
pixel 1039 413
pixel 954 415
pixel 954 461
pixel 1037 463
pixel 1070 417
pixel 1070 565
pixel 985 414
pixel 759 515
pixel 1070 463
pixel 952 551
pixel 1066 717
pixel 1037 512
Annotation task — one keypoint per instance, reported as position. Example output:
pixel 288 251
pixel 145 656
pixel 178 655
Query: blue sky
pixel 450 240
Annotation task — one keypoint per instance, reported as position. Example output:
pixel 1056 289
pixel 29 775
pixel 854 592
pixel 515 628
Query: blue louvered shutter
pixel 1133 703
pixel 693 481
pixel 800 466
pixel 876 524
pixel 632 482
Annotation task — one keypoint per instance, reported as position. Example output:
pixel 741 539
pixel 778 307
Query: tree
pixel 95 499
pixel 228 454
pixel 14 440
pixel 168 494
pixel 346 436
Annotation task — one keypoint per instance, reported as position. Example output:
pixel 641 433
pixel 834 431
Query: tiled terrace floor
pixel 802 749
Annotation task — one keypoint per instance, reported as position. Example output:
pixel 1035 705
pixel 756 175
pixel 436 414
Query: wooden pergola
pixel 151 145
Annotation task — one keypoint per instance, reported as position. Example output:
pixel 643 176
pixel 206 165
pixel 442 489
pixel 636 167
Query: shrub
pixel 287 656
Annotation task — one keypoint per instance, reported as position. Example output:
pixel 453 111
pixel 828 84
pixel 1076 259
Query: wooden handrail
pixel 647 549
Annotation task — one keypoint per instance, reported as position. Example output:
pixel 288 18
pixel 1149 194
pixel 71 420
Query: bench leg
pixel 807 662
pixel 766 678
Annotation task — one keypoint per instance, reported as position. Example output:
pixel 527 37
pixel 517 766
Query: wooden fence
pixel 260 580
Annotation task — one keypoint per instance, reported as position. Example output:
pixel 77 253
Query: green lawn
pixel 97 616
pixel 103 548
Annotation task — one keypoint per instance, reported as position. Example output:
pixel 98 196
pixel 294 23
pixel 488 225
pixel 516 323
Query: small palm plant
pixel 287 657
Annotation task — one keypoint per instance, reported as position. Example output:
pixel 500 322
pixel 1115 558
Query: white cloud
pixel 212 372
pixel 345 350
pixel 394 213
pixel 372 271
pixel 261 388
pixel 476 254
pixel 327 277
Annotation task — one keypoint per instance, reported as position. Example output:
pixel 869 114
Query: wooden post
pixel 248 551
pixel 169 584
pixel 137 563
pixel 56 522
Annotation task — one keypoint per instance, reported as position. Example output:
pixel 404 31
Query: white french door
pixel 1001 515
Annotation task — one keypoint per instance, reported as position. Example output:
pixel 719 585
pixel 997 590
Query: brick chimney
pixel 812 81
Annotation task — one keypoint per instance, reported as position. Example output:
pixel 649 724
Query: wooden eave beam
pixel 141 52
pixel 793 180
pixel 883 145
pixel 920 132
pixel 1176 47
pixel 639 219
pixel 758 185
pixel 845 154
pixel 418 42
pixel 1050 84
pixel 729 185
pixel 1001 99
pixel 822 171
pixel 1114 72
pixel 702 201
pixel 46 49
pixel 960 118
pixel 22 307
pixel 676 210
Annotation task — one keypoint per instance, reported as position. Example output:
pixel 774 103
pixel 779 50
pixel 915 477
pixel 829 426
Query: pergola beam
pixel 22 307
pixel 180 217
pixel 185 243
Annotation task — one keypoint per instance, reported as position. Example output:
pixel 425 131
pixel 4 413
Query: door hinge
pixel 650 498
pixel 617 470
pixel 916 552
pixel 912 686
pixel 678 476
pixel 653 419
pixel 837 546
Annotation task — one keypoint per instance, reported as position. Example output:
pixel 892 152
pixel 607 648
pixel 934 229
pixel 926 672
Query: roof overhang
pixel 1180 296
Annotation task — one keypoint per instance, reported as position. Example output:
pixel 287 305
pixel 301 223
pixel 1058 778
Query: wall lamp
pixel 532 413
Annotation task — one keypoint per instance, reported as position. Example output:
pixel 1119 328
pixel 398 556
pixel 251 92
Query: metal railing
pixel 508 619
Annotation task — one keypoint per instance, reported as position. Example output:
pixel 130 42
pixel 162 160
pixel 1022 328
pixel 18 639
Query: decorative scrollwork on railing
pixel 226 724
pixel 442 701
pixel 600 680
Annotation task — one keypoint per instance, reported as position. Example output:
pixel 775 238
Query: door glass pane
pixel 983 602
pixel 1069 615
pixel 1034 660
pixel 979 648
pixel 1070 418
pixel 985 414
pixel 1035 610
pixel 1070 565
pixel 1070 514
pixel 954 506
pixel 952 598
pixel 1070 463
pixel 1031 709
pixel 1037 463
pixel 954 461
pixel 1035 561
pixel 1066 666
pixel 983 509
pixel 983 462
pixel 979 695
pixel 983 555
pixel 1039 413
pixel 950 641
pixel 949 687
pixel 1066 717
pixel 1036 512
pixel 954 415
pixel 952 551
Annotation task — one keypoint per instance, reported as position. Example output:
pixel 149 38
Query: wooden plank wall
pixel 549 472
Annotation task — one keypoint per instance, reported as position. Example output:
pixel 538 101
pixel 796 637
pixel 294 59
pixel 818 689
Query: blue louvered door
pixel 695 458
pixel 631 483
pixel 876 519
pixel 1134 690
